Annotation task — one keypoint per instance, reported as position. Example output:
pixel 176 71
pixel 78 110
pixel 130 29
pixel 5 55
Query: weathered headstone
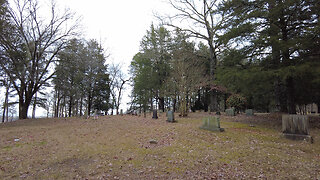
pixel 95 115
pixel 296 127
pixel 155 114
pixel 121 112
pixel 211 123
pixel 249 112
pixel 230 112
pixel 170 117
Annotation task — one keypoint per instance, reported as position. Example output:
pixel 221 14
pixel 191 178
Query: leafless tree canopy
pixel 31 45
pixel 202 20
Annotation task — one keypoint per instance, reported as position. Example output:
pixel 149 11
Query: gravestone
pixel 121 112
pixel 249 112
pixel 296 127
pixel 230 112
pixel 95 115
pixel 211 123
pixel 155 115
pixel 170 117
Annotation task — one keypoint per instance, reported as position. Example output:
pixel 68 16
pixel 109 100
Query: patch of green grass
pixel 7 148
pixel 42 143
pixel 18 145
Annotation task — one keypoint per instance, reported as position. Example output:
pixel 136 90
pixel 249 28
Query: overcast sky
pixel 119 24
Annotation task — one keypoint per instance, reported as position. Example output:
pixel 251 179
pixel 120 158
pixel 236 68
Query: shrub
pixel 237 101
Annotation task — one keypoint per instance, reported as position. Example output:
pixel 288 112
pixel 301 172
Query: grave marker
pixel 211 123
pixel 230 112
pixel 170 117
pixel 155 115
pixel 249 112
pixel 296 127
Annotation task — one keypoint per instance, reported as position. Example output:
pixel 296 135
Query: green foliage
pixel 150 67
pixel 81 76
pixel 237 101
pixel 101 92
pixel 170 68
pixel 254 83
pixel 270 46
pixel 143 80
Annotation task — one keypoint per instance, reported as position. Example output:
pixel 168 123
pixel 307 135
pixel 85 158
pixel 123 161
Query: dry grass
pixel 118 148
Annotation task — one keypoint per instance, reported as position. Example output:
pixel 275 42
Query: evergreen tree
pixel 274 35
pixel 81 78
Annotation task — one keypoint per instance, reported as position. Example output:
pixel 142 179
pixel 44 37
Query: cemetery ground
pixel 133 147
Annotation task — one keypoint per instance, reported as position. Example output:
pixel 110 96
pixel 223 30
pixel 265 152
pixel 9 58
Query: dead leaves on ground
pixel 118 147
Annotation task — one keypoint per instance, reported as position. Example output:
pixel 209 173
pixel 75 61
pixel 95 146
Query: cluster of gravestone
pixel 170 116
pixel 294 127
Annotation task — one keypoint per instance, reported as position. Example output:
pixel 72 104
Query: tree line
pixel 41 51
pixel 266 52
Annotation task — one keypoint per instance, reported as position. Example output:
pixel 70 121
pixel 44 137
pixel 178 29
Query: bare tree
pixel 6 83
pixel 204 23
pixel 117 83
pixel 31 47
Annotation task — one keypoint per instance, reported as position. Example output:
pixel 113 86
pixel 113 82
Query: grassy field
pixel 119 147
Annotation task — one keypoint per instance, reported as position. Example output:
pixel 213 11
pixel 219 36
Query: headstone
pixel 249 112
pixel 296 127
pixel 95 115
pixel 170 117
pixel 230 112
pixel 121 112
pixel 155 115
pixel 211 123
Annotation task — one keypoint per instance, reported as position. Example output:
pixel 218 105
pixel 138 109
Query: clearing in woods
pixel 118 147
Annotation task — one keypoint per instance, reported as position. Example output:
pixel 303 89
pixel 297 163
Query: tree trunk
pixel 213 106
pixel 7 110
pixel 280 96
pixel 23 109
pixel 57 104
pixel 64 107
pixel 161 104
pixel 34 107
pixel 213 101
pixel 151 104
pixel 174 105
pixel 4 112
pixel 291 98
pixel 70 106
pixel 77 108
pixel 89 104
pixel 6 103
pixel 81 99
